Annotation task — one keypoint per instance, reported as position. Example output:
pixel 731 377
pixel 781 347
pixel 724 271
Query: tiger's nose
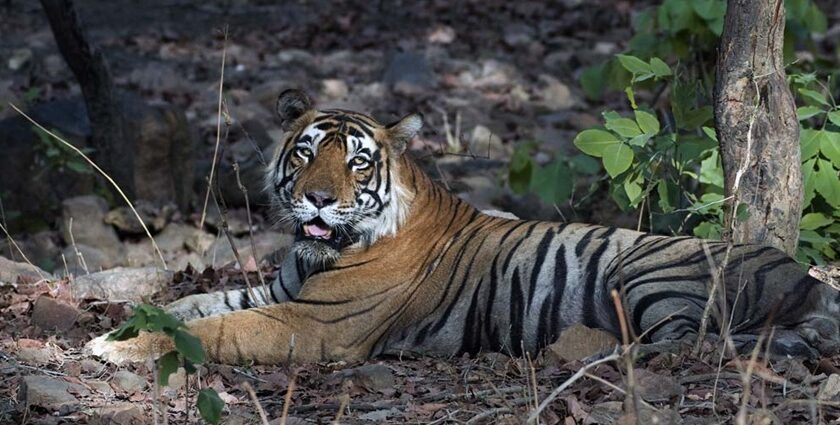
pixel 320 198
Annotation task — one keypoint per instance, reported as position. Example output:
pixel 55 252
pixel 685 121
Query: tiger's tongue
pixel 317 231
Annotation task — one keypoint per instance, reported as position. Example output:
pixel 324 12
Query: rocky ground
pixel 486 75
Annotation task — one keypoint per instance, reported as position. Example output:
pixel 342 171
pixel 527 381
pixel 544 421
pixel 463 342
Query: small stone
pixel 830 389
pixel 122 413
pixel 578 342
pixel 484 142
pixel 199 242
pixel 11 271
pixel 334 88
pixel 655 387
pixel 409 70
pixel 155 218
pixel 19 58
pixel 101 387
pixel 555 94
pixel 121 284
pixel 82 259
pixel 518 35
pixel 34 355
pixel 51 314
pixel 441 34
pixel 92 367
pixel 127 382
pixel 220 252
pixel 373 377
pixel 177 379
pixel 52 394
pixel 88 224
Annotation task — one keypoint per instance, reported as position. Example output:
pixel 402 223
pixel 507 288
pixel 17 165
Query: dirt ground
pixel 492 74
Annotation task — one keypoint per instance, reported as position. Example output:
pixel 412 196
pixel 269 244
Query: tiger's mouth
pixel 319 231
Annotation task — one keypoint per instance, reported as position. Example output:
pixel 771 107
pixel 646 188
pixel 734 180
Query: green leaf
pixel 834 117
pixel 635 65
pixel 660 68
pixel 520 169
pixel 640 140
pixel 631 97
pixel 815 20
pixel 808 182
pixel 813 221
pixel 592 81
pixel 815 96
pixel 711 133
pixel 666 204
pixel 595 142
pixel 805 112
pixel 711 171
pixel 633 189
pixel 647 121
pixel 830 146
pixel 210 405
pixel 809 143
pixel 167 365
pixel 827 183
pixel 708 230
pixel 624 127
pixel 585 164
pixel 553 183
pixel 189 346
pixel 617 158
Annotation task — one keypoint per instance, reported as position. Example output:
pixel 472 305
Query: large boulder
pixel 12 271
pixel 121 284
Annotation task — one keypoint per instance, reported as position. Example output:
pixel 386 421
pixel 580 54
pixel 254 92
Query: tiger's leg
pixel 284 288
pixel 265 335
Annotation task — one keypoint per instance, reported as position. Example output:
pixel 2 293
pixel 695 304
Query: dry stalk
pixel 218 131
pixel 572 379
pixel 222 207
pixel 20 251
pixel 288 400
pixel 260 411
pixel 104 174
pixel 628 353
pixel 533 378
pixel 344 400
pixel 746 377
pixel 79 256
pixel 250 224
pixel 155 391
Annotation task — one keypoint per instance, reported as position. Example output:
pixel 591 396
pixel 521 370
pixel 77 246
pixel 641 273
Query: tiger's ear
pixel 291 105
pixel 402 131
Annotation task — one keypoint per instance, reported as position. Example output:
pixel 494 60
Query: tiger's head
pixel 334 178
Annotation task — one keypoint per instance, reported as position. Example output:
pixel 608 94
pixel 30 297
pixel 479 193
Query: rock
pixel 654 387
pixel 199 242
pixel 83 259
pixel 555 94
pixel 141 254
pixel 19 58
pixel 174 236
pixel 484 142
pixel 42 249
pixel 380 416
pixel 518 35
pixel 92 367
pixel 441 34
pixel 128 382
pixel 101 387
pixel 266 243
pixel 154 217
pixel 121 413
pixel 409 71
pixel 373 377
pixel 830 389
pixel 51 314
pixel 121 284
pixel 53 394
pixel 334 88
pixel 237 221
pixel 35 355
pixel 578 342
pixel 11 272
pixel 83 223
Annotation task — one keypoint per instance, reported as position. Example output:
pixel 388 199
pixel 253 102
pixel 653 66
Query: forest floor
pixel 494 73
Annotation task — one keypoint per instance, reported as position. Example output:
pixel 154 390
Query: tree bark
pixel 756 123
pixel 113 149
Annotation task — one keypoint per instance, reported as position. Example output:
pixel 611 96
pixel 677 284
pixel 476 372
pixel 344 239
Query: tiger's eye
pixel 359 162
pixel 303 152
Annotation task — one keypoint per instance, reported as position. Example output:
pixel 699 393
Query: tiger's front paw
pixel 143 347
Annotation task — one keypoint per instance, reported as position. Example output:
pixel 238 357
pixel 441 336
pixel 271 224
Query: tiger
pixel 387 261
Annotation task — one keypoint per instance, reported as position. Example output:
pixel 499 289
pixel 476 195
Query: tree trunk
pixel 756 123
pixel 113 149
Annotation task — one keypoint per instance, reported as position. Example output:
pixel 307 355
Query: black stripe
pixel 542 251
pixel 515 313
